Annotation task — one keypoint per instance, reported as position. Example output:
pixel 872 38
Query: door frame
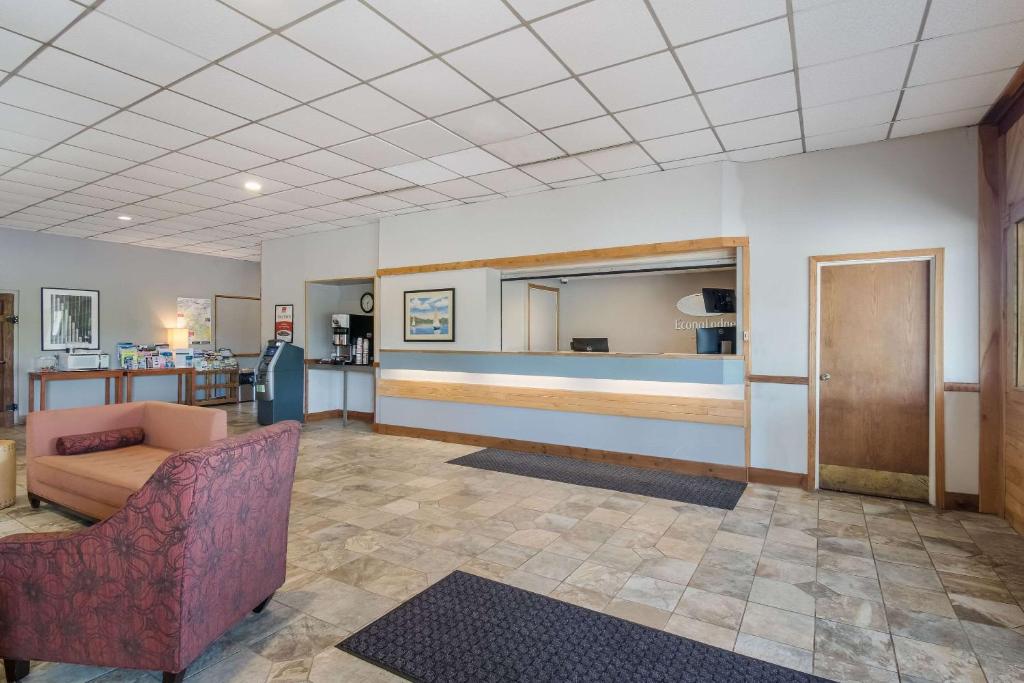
pixel 558 313
pixel 937 441
pixel 14 358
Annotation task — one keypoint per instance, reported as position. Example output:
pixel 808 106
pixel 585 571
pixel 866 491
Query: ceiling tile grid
pixel 210 126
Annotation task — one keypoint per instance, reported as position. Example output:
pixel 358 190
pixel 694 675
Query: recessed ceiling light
pixel 124 218
pixel 253 186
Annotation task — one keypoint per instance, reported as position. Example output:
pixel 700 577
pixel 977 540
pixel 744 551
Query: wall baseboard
pixel 758 475
pixel 733 472
pixel 965 502
pixel 336 414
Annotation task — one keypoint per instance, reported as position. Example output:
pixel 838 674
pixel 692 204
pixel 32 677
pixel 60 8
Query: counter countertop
pixel 615 354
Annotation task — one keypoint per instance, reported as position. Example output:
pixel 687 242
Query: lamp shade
pixel 177 337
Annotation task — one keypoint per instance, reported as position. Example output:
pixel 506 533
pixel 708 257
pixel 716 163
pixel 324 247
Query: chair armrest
pixel 181 428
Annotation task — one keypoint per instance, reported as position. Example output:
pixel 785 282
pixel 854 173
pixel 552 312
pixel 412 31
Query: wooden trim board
pixel 963 387
pixel 683 409
pixel 582 256
pixel 778 379
pixel 965 502
pixel 758 475
pixel 336 414
pixel 733 472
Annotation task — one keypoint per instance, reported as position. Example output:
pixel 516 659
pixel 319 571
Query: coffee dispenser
pixel 341 352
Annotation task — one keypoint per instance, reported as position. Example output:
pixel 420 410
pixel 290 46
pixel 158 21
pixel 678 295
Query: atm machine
pixel 279 383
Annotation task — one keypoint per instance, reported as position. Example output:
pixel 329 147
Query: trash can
pixel 6 474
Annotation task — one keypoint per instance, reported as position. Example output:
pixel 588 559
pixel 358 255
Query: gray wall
pixel 138 289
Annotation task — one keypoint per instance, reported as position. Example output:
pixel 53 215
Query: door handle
pixel 824 377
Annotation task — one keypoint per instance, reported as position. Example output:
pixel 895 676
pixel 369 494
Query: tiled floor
pixel 847 587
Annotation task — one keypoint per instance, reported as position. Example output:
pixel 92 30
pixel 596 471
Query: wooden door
pixel 6 360
pixel 542 318
pixel 874 379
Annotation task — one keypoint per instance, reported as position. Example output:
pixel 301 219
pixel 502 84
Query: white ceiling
pixel 346 110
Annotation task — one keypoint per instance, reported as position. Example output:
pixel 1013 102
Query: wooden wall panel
pixel 1012 456
pixel 709 410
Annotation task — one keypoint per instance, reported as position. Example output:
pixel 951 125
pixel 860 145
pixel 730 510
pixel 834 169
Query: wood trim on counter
pixel 582 256
pixel 336 414
pixel 778 379
pixel 733 472
pixel 603 354
pixel 963 387
pixel 758 475
pixel 965 502
pixel 681 409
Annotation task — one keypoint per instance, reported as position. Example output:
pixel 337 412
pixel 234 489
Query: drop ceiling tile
pixel 601 33
pixel 751 100
pixel 740 56
pixel 113 194
pixel 328 163
pixel 238 181
pixel 352 36
pixel 225 154
pixel 426 139
pixel 232 194
pixel 381 203
pixel 606 161
pixel 419 196
pixel 772 151
pixel 9 158
pixel 555 105
pixel 60 169
pixel 667 118
pixel 304 197
pixel 694 144
pixel 634 84
pixel 432 88
pixel 167 205
pixel 778 128
pixel 118 45
pixel 314 214
pixel 181 163
pixel 44 99
pixel 587 135
pixel 460 188
pixel 376 181
pixel 367 109
pixel 203 27
pixel 557 170
pixel 845 138
pixel 630 172
pixel 576 182
pixel 955 16
pixel 487 63
pixel 115 145
pixel 142 187
pixel 525 150
pixel 313 126
pixel 144 129
pixel 927 124
pixel 20 175
pixel 374 152
pixel 293 175
pixel 470 162
pixel 844 29
pixel 266 141
pixel 91 200
pixel 345 209
pixel 421 172
pixel 857 77
pixel 35 125
pixel 39 19
pixel 967 54
pixel 685 22
pixel 184 112
pixel 444 24
pixel 507 180
pixel 858 113
pixel 276 14
pixel 15 49
pixel 486 123
pixel 531 9
pixel 946 96
pixel 16 142
pixel 9 186
pixel 193 199
pixel 71 72
pixel 161 176
pixel 276 62
pixel 237 94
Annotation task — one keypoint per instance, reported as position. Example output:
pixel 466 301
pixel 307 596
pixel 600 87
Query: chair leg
pixel 174 678
pixel 15 669
pixel 33 501
pixel 259 608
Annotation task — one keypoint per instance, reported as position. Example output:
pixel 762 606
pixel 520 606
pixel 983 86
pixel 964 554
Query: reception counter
pixel 682 409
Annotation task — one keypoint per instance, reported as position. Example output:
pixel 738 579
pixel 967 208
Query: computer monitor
pixel 709 339
pixel 596 344
pixel 719 300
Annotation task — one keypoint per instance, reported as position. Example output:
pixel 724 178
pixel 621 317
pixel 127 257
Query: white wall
pixel 138 287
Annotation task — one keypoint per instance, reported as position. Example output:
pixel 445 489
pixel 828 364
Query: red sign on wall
pixel 284 322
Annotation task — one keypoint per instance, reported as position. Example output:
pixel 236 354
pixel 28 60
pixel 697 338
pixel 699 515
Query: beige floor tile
pixel 779 625
pixel 552 566
pixel 713 608
pixel 639 613
pixel 783 595
pixel 598 578
pixel 662 595
pixel 854 611
pixel 775 652
pixel 932 662
pixel 702 631
pixel 853 645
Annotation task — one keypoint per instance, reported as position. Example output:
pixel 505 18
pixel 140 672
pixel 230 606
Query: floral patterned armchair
pixel 196 549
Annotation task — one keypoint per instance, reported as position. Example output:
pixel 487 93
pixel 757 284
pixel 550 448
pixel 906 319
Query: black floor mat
pixel 719 493
pixel 467 629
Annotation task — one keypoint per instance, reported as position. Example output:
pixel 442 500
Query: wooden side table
pixel 45 377
pixel 185 378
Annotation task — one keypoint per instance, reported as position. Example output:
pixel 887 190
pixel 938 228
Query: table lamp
pixel 177 338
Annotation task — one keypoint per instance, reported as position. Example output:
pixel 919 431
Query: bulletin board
pixel 236 324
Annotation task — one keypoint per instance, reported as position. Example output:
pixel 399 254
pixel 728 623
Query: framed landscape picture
pixel 70 319
pixel 430 315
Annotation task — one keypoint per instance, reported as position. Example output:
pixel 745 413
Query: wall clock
pixel 366 302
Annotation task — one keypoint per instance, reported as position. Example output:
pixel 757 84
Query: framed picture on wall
pixel 430 315
pixel 70 319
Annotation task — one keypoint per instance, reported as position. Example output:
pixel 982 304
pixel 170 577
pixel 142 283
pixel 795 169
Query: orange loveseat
pixel 97 485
